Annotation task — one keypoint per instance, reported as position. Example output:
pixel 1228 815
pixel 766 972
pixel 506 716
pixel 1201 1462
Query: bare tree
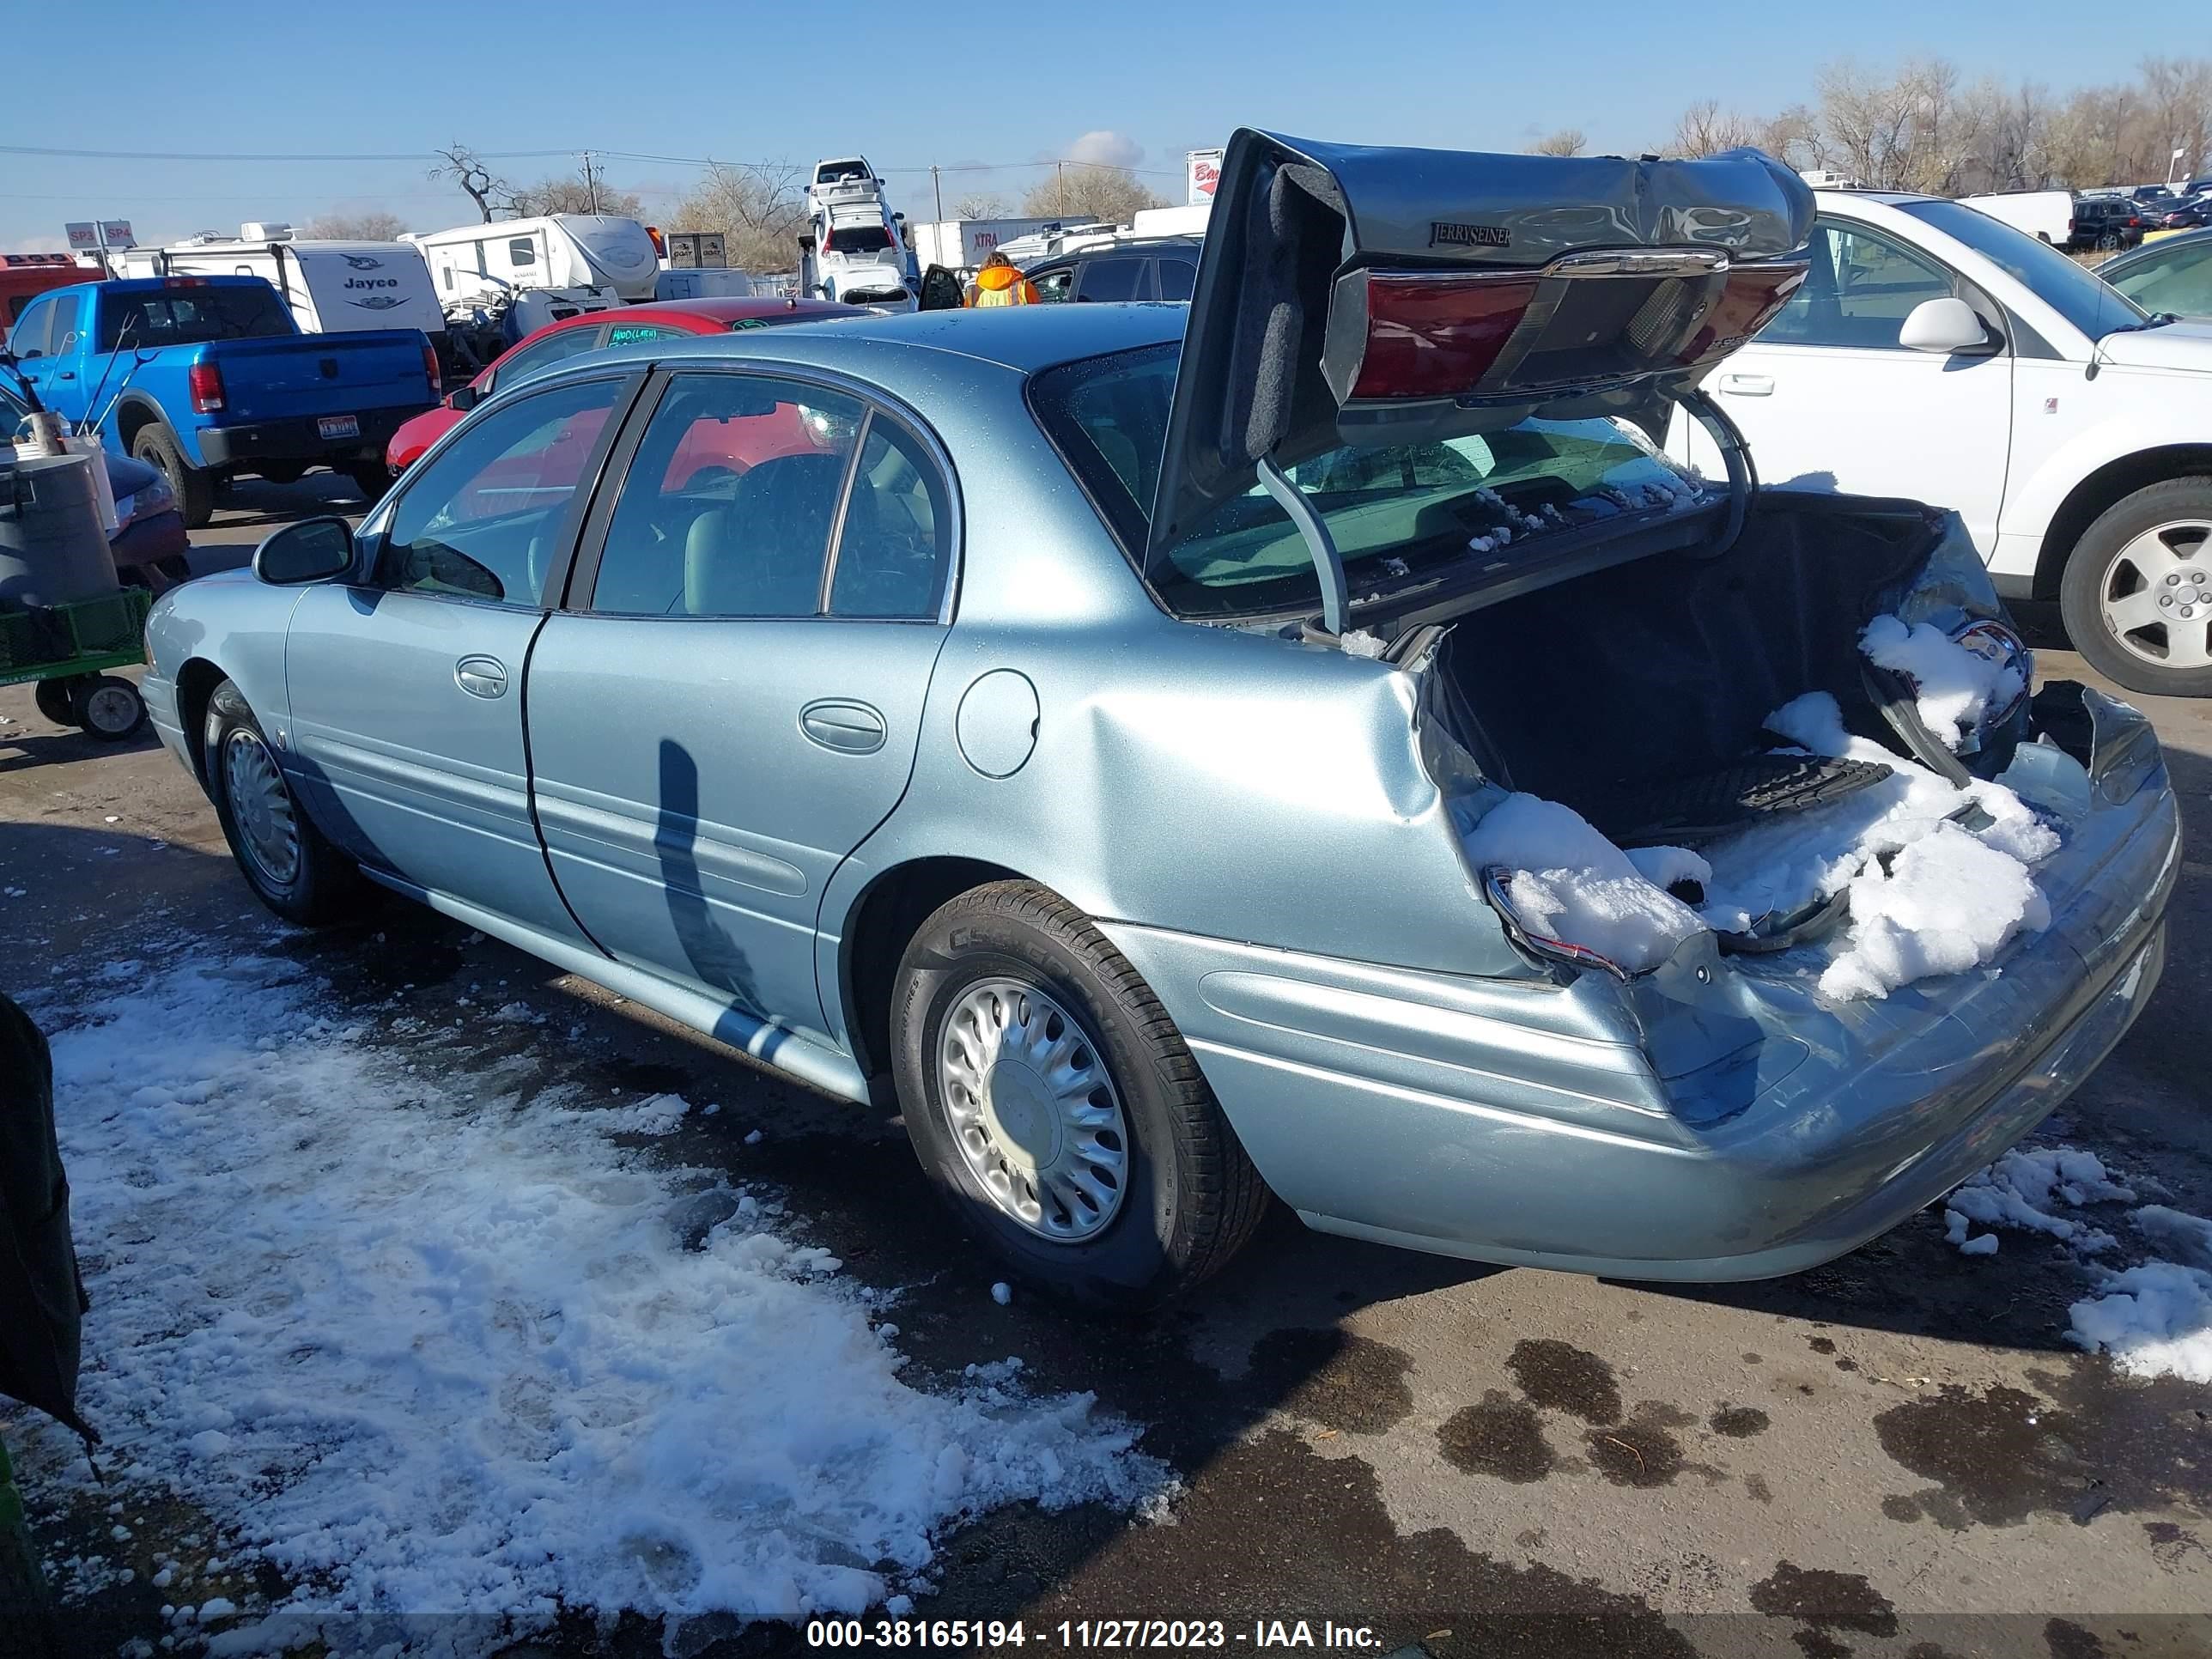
pixel 1567 140
pixel 1080 190
pixel 1707 130
pixel 479 183
pixel 981 204
pixel 1794 137
pixel 564 194
pixel 758 208
pixel 375 226
pixel 2177 114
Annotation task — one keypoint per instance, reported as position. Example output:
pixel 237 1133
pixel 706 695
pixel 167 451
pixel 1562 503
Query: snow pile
pixel 1928 895
pixel 2023 1190
pixel 1953 688
pixel 1359 643
pixel 1568 884
pixel 438 1344
pixel 2155 1319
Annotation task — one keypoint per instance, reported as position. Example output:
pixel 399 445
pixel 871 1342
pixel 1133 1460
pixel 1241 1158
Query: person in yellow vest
pixel 998 283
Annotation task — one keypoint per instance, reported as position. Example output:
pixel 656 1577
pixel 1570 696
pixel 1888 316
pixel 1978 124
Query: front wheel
pixel 290 864
pixel 2136 596
pixel 1056 1108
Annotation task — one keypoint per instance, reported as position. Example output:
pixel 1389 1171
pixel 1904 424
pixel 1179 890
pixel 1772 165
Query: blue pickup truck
pixel 205 377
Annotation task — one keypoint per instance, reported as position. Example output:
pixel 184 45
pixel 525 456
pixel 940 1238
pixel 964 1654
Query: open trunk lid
pixel 1351 295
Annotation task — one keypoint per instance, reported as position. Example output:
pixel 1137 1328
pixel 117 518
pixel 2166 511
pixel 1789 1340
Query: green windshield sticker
pixel 750 322
pixel 632 335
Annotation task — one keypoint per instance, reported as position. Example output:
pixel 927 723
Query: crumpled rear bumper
pixel 1526 1122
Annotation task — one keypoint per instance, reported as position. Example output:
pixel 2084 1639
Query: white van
pixel 2047 214
pixel 331 288
pixel 588 256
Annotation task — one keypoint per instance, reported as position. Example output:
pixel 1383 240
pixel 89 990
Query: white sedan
pixel 1936 353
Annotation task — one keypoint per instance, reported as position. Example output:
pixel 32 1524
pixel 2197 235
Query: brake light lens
pixel 204 383
pixel 184 282
pixel 430 367
pixel 1435 335
pixel 1748 303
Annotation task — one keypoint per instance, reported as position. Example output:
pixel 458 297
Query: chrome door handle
pixel 481 677
pixel 1748 385
pixel 850 728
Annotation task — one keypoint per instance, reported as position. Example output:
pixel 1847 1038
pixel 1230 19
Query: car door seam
pixel 530 790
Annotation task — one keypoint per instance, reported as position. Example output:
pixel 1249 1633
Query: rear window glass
pixel 193 316
pixel 859 239
pixel 1394 512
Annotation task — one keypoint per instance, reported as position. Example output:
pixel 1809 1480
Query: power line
pixel 535 156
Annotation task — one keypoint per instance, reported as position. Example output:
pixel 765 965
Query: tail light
pixel 2134 223
pixel 1432 336
pixel 1596 318
pixel 1748 304
pixel 204 382
pixel 430 367
pixel 659 242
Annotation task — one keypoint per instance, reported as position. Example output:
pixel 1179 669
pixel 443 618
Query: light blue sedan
pixel 1090 730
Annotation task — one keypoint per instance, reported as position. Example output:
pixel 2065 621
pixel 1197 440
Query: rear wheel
pixel 290 864
pixel 193 487
pixel 2137 593
pixel 372 478
pixel 109 708
pixel 1056 1108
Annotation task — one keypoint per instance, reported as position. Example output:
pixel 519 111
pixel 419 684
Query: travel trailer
pixel 329 286
pixel 500 281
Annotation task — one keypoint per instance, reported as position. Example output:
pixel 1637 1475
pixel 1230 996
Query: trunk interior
pixel 1640 681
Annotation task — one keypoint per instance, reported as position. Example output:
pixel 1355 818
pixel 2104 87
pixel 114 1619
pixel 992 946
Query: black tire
pixel 325 886
pixel 1191 1197
pixel 2081 600
pixel 372 478
pixel 52 697
pixel 107 708
pixel 193 487
pixel 284 472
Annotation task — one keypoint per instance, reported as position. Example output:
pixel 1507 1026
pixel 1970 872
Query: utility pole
pixel 937 185
pixel 591 183
pixel 1059 180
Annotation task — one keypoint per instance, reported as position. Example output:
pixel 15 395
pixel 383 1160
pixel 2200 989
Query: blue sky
pixel 906 86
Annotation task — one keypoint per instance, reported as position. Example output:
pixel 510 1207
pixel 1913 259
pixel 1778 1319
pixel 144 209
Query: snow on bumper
pixel 1531 1124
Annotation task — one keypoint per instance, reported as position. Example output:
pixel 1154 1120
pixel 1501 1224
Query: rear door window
pixel 895 543
pixel 1110 280
pixel 1177 279
pixel 728 507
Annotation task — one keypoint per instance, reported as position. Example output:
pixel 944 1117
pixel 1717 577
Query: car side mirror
pixel 462 399
pixel 312 550
pixel 1948 324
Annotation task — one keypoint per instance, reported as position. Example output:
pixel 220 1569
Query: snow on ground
pixel 2154 1318
pixel 1953 688
pixel 426 1347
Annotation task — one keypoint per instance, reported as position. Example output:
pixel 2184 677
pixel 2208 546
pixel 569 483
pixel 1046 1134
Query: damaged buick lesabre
pixel 1309 744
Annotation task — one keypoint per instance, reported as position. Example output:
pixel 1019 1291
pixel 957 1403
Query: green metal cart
pixel 65 652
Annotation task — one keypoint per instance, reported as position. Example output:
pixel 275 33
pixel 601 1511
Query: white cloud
pixel 1109 148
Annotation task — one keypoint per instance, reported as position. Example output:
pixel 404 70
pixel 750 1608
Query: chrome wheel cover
pixel 2155 595
pixel 1033 1109
pixel 261 807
